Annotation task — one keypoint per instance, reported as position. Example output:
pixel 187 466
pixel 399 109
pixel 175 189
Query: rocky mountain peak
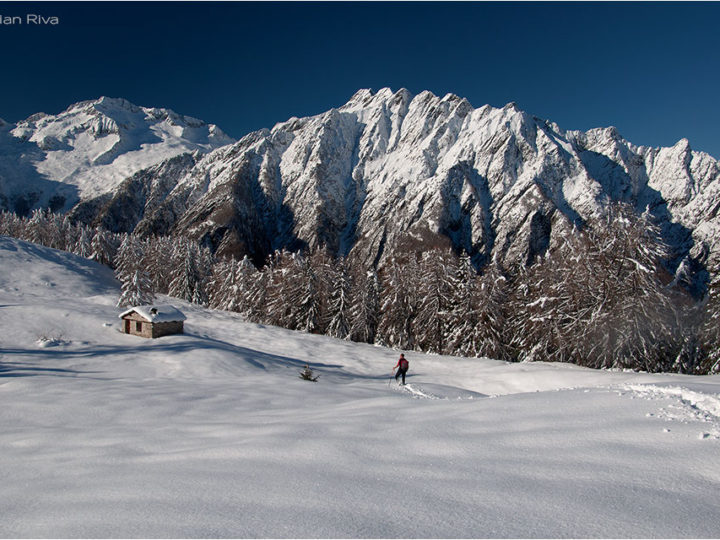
pixel 107 105
pixel 389 171
pixel 384 174
pixel 366 100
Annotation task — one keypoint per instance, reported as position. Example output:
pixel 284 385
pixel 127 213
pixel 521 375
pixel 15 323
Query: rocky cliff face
pixel 389 172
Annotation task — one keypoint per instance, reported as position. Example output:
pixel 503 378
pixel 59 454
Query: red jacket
pixel 402 363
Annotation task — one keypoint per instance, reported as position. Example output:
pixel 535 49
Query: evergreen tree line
pixel 600 298
pixel 144 266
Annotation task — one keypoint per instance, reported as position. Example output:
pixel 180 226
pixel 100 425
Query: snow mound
pixel 30 269
pixel 44 342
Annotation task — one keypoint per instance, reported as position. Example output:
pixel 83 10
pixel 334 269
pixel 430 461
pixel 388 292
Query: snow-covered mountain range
pixel 89 149
pixel 387 171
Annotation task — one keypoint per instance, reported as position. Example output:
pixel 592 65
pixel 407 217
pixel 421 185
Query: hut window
pixel 138 327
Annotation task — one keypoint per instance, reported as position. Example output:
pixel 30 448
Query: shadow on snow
pixel 26 369
pixel 191 343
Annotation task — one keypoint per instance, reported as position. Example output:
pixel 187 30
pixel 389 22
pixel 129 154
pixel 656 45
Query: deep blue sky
pixel 650 69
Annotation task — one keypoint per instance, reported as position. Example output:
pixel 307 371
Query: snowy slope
pixel 91 147
pixel 213 434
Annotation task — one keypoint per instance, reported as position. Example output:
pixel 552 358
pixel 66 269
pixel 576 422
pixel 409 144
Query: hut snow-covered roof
pixel 156 314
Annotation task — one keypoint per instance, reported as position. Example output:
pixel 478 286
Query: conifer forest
pixel 601 298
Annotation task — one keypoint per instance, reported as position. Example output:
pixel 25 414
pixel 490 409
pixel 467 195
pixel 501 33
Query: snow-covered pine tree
pixel 36 229
pixel 5 223
pixel 432 323
pixel 128 258
pixel 710 330
pixel 230 283
pixel 338 313
pixel 130 271
pixel 187 272
pixel 634 310
pixel 324 271
pixel 464 310
pixel 69 233
pixel 305 298
pixel 82 246
pixel 205 263
pixel 160 259
pixel 221 284
pixel 692 355
pixel 298 295
pixel 551 303
pixel 246 277
pixel 479 305
pixel 397 305
pixel 11 224
pixel 283 280
pixel 256 297
pixel 491 333
pixel 55 234
pixel 292 298
pixel 137 290
pixel 102 247
pixel 554 303
pixel 599 299
pixel 365 307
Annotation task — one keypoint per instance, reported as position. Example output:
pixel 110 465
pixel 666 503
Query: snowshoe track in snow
pixel 685 405
pixel 438 391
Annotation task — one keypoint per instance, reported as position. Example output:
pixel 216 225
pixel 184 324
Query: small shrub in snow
pixel 308 375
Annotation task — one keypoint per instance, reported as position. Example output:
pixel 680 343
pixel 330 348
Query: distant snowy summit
pixel 90 148
pixel 385 173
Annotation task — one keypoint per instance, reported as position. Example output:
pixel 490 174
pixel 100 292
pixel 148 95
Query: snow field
pixel 213 434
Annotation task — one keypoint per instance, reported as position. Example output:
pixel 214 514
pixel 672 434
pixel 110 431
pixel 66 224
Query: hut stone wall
pixel 137 325
pixel 167 328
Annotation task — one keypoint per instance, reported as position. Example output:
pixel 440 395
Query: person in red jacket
pixel 402 367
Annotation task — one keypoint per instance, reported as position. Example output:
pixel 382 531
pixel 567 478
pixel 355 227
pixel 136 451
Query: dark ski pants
pixel 401 372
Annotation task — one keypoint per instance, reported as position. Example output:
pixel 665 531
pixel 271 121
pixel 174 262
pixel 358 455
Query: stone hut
pixel 152 321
